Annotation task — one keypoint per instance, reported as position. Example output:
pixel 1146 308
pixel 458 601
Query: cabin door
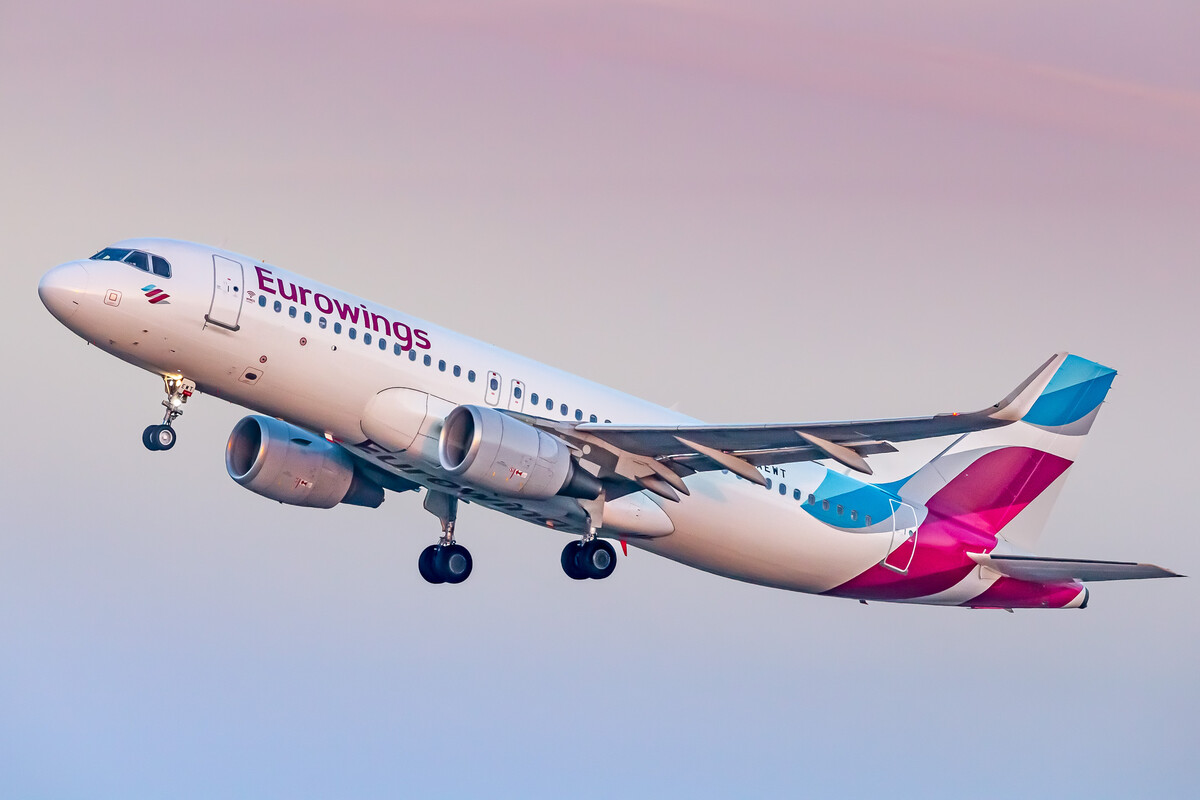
pixel 226 307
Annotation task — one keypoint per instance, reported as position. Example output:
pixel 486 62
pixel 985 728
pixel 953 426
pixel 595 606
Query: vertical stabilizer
pixel 1003 481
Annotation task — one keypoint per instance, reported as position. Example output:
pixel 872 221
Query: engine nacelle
pixel 285 463
pixel 492 450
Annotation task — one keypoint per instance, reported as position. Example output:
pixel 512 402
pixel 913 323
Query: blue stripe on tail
pixel 1076 389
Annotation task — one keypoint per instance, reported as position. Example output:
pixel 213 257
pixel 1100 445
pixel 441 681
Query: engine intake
pixel 492 450
pixel 286 463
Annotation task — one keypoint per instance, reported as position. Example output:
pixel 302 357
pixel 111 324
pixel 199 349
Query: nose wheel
pixel 162 437
pixel 159 437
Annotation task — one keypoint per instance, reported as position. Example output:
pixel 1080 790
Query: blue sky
pixel 754 212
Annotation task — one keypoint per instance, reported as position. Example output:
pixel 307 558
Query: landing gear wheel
pixel 570 564
pixel 453 563
pixel 159 437
pixel 425 565
pixel 597 559
pixel 164 437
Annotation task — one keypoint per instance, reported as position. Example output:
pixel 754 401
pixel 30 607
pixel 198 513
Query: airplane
pixel 355 399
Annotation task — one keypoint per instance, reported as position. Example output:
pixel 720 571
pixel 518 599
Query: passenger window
pixel 795 494
pixel 396 348
pixel 337 326
pixel 352 333
pixel 494 385
pixel 867 519
pixel 427 360
pixel 366 338
pixel 533 398
pixel 441 366
pixel 262 300
pixel 412 355
pixel 457 371
pixel 812 500
pixel 292 312
pixel 307 316
pixel 161 268
pixel 471 376
pixel 608 422
pixel 563 409
pixel 382 343
pixel 853 515
pixel 782 488
pixel 578 414
pixel 768 483
pixel 517 392
pixel 549 404
pixel 839 509
pixel 278 306
pixel 138 259
pixel 824 505
pixel 321 323
pixel 592 418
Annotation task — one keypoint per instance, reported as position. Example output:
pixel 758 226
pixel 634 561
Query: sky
pixel 752 212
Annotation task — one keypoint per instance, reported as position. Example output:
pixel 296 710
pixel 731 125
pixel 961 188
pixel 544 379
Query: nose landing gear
pixel 162 437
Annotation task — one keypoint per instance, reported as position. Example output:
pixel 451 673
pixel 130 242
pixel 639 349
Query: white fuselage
pixel 299 353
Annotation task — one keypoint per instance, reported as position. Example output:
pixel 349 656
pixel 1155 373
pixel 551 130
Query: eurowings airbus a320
pixel 356 399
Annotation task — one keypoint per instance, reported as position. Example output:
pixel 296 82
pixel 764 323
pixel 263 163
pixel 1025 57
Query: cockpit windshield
pixel 146 262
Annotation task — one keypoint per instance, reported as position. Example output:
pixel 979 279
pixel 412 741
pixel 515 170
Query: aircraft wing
pixel 1049 570
pixel 847 442
pixel 653 455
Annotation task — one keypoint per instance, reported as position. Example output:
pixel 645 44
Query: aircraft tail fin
pixel 1003 481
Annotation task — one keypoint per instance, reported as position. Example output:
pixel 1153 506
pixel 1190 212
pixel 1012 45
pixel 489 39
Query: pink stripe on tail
pixel 964 516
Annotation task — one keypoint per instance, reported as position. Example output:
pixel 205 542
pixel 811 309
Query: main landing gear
pixel 446 561
pixel 162 437
pixel 450 562
pixel 589 558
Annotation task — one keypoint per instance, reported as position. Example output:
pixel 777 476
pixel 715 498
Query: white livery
pixel 355 400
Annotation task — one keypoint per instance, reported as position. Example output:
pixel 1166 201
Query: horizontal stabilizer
pixel 1050 570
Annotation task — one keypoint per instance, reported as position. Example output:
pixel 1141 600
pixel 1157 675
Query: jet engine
pixel 493 450
pixel 286 463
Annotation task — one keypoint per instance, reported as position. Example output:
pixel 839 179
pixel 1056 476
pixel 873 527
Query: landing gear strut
pixel 162 437
pixel 446 561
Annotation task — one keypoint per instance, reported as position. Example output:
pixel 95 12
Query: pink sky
pixel 758 211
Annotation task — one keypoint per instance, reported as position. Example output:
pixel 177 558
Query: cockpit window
pixel 110 254
pixel 136 258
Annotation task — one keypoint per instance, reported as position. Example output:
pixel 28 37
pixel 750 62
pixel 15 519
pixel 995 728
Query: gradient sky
pixel 753 211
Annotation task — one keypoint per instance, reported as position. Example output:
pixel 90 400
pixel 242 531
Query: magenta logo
pixel 155 294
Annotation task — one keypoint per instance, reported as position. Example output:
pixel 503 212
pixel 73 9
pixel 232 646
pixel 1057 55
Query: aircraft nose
pixel 62 289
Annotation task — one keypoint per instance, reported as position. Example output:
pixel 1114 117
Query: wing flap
pixel 1050 570
pixel 661 441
